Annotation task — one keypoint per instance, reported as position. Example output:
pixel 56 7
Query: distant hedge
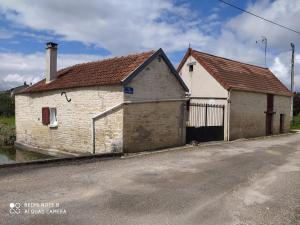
pixel 296 106
pixel 7 105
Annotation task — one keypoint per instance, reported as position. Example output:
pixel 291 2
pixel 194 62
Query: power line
pixel 262 18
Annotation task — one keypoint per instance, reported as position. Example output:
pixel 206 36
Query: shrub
pixel 7 105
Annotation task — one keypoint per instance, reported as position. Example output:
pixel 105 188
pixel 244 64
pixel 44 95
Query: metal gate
pixel 205 122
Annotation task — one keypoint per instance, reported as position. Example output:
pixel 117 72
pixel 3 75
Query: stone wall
pixel 247 117
pixel 74 131
pixel 149 126
pixel 161 124
pixel 155 82
pixel 247 114
pixel 137 127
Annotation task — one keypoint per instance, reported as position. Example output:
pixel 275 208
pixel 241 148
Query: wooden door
pixel 281 127
pixel 269 114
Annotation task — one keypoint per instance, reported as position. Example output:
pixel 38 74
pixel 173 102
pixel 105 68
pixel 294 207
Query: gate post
pixel 223 115
pixel 206 115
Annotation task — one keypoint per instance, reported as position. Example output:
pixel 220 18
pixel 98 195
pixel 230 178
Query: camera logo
pixel 14 208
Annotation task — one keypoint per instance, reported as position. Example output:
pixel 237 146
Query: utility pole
pixel 292 77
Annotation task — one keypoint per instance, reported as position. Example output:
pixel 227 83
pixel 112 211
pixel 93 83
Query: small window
pixel 53 117
pixel 191 68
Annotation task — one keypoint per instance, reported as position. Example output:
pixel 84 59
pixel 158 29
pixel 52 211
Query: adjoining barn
pixel 255 102
pixel 123 104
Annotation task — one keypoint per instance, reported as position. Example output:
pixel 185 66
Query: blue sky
pixel 87 31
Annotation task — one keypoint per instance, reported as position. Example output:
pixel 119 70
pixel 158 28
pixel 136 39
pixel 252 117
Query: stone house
pixel 123 104
pixel 256 102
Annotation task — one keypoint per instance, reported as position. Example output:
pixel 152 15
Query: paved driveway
pixel 243 182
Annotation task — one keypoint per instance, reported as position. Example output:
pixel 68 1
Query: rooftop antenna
pixel 264 41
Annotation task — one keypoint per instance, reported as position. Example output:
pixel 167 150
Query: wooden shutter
pixel 45 115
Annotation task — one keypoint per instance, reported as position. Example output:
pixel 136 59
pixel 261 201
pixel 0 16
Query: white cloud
pixel 229 46
pixel 15 68
pixel 282 68
pixel 120 26
pixel 13 78
pixel 132 26
pixel 284 12
pixel 238 36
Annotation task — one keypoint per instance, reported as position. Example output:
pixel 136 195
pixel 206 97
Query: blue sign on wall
pixel 128 90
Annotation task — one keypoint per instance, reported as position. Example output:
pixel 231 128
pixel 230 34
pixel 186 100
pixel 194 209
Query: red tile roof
pixel 105 72
pixel 236 75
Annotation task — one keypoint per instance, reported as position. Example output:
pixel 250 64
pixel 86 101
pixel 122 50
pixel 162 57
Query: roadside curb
pixel 110 156
pixel 179 148
pixel 103 156
pixel 201 144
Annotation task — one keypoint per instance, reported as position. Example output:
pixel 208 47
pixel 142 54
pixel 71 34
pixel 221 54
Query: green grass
pixel 7 130
pixel 296 122
pixel 7 121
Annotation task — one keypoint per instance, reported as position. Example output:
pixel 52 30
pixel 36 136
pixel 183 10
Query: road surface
pixel 242 182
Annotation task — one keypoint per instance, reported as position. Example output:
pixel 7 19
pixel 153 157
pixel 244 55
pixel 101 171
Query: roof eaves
pixel 280 82
pixel 135 72
pixel 185 57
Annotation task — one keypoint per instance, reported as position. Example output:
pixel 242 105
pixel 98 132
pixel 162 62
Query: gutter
pixel 118 106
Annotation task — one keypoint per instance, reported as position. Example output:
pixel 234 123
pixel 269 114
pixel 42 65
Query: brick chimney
pixel 51 61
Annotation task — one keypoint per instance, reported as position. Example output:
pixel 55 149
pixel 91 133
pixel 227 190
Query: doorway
pixel 281 124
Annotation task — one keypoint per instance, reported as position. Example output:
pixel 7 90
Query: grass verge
pixel 296 122
pixel 7 130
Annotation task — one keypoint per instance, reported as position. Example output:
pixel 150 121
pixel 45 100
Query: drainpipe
pixel 228 115
pixel 105 113
pixel 114 108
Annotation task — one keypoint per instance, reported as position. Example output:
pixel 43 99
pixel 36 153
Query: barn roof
pixel 113 71
pixel 237 75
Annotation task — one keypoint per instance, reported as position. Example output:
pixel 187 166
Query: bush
pixel 7 105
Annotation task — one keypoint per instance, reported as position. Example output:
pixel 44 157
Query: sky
pixel 96 29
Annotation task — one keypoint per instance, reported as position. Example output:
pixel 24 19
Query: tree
pixel 7 105
pixel 296 105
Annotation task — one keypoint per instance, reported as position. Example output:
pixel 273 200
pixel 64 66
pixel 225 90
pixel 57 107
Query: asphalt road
pixel 243 182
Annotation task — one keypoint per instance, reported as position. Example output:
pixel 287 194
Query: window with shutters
pixel 53 117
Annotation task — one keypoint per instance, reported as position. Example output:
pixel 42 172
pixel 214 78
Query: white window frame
pixel 53 117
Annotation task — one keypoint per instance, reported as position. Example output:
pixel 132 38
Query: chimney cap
pixel 51 45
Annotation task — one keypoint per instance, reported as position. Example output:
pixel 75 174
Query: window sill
pixel 53 126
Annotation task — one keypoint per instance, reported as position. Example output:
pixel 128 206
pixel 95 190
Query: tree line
pixel 7 104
